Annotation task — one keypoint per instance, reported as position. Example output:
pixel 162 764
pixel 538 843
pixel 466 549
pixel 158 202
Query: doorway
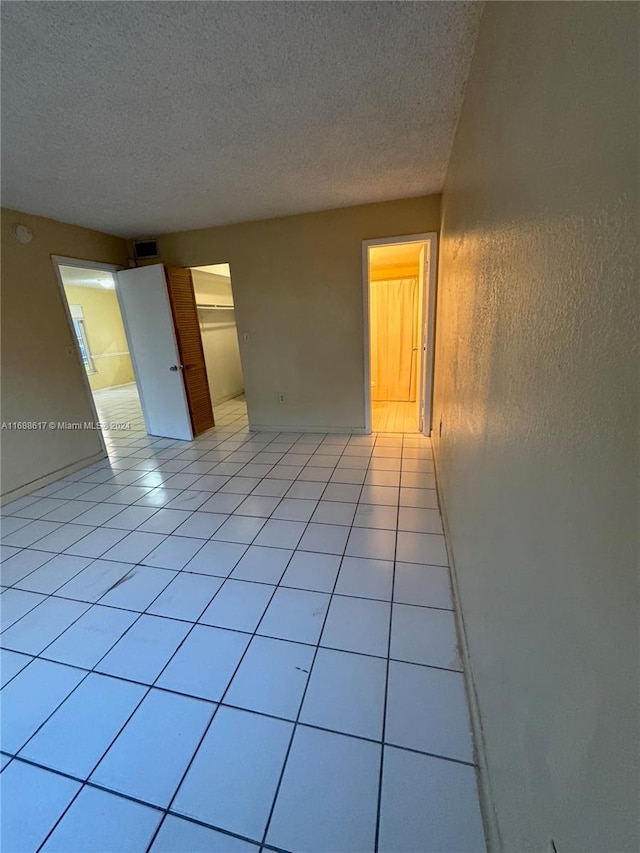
pixel 89 294
pixel 399 299
pixel 213 293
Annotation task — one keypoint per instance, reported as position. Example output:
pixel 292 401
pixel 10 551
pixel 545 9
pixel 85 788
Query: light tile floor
pixel 246 642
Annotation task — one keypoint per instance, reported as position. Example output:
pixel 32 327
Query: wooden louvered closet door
pixel 185 318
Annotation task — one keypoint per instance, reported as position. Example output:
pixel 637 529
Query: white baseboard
pixel 310 429
pixel 40 482
pixel 487 802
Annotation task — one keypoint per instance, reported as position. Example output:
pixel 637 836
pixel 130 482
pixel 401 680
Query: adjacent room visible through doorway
pixel 96 321
pixel 398 296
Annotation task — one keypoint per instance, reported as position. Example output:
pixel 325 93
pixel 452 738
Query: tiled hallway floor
pixel 244 642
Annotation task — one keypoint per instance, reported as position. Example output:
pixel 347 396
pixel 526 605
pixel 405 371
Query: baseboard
pixel 233 396
pixel 39 483
pixel 487 802
pixel 309 429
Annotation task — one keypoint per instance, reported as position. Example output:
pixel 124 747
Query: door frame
pixel 427 342
pixel 61 260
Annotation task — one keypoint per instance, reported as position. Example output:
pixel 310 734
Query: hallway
pixel 238 643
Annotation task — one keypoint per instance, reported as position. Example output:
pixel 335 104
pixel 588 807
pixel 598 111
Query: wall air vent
pixel 144 249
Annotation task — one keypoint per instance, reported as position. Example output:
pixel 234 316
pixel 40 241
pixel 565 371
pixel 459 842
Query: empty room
pixel 319 373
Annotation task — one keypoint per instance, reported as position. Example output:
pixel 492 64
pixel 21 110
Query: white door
pixel 146 314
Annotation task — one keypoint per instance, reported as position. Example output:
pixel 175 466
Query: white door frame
pixel 427 342
pixel 58 261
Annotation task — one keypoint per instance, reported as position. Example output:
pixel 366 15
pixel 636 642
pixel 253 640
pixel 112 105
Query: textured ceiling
pixel 147 117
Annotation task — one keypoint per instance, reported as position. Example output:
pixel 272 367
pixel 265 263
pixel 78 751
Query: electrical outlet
pixel 282 397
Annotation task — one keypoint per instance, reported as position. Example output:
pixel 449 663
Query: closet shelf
pixel 214 306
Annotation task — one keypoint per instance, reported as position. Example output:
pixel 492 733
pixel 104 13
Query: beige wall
pixel 536 386
pixel 40 380
pixel 297 284
pixel 105 334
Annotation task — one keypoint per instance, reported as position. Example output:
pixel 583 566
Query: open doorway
pixel 89 291
pixel 216 315
pixel 399 289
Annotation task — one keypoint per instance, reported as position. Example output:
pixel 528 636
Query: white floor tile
pixel 205 663
pixel 367 542
pixel 328 799
pixel 239 605
pixel 427 498
pixel 295 614
pixel 239 528
pixel 98 822
pixel 346 694
pixel 426 585
pixel 280 534
pixel 30 533
pixel 233 778
pixel 377 516
pixel 201 525
pixel 424 548
pixel 357 625
pixel 428 804
pixel 149 758
pixel 31 697
pixel 334 512
pixel 222 503
pixel 14 604
pixel 142 653
pixel 265 565
pixel 32 802
pixel 13 569
pixel 91 636
pixel 184 836
pixel 216 558
pixel 346 492
pixel 95 544
pixel 76 736
pixel 41 626
pixel 427 711
pixel 139 588
pixel 423 635
pixel 302 489
pixel 186 597
pixel 93 582
pixel 419 520
pixel 164 521
pixel 294 509
pixel 380 495
pixel 54 573
pixel 313 571
pixel 325 538
pixel 258 506
pixel 64 537
pixel 188 500
pixel 272 677
pixel 130 517
pixel 365 578
pixel 134 547
pixel 174 553
pixel 11 663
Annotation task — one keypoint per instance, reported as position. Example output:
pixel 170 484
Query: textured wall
pixel 297 285
pixel 536 387
pixel 40 381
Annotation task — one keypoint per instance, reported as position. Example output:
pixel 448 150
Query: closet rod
pixel 215 305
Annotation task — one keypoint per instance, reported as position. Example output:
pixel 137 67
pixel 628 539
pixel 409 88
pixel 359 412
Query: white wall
pixel 537 391
pixel 219 336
